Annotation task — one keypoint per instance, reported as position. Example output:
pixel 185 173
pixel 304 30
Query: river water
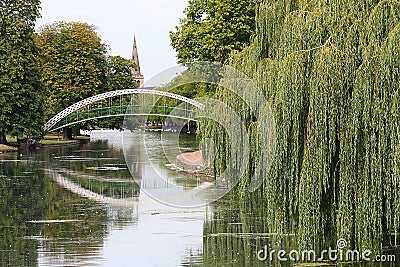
pixel 80 205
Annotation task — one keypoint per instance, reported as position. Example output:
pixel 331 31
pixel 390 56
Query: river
pixel 80 205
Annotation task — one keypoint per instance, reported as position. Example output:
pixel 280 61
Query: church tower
pixel 137 75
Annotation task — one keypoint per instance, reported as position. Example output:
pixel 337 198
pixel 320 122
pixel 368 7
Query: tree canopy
pixel 119 73
pixel 43 73
pixel 21 91
pixel 74 63
pixel 212 29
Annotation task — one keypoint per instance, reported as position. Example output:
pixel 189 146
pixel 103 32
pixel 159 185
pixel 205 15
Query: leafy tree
pixel 119 77
pixel 119 73
pixel 212 29
pixel 74 64
pixel 21 91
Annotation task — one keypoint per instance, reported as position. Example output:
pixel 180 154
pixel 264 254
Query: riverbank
pixel 4 149
pixel 56 140
pixel 9 148
pixel 192 163
pixel 47 141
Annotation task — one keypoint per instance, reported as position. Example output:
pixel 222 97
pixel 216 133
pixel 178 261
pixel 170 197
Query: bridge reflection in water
pixel 62 180
pixel 153 229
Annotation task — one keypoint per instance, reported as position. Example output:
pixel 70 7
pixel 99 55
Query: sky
pixel 118 20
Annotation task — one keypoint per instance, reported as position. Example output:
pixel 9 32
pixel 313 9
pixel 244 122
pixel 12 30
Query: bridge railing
pixel 134 110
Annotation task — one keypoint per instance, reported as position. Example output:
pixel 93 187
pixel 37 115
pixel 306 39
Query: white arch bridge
pixel 115 104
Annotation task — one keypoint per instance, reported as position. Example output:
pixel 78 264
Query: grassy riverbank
pixel 10 148
pixel 52 139
pixel 4 148
pixel 56 139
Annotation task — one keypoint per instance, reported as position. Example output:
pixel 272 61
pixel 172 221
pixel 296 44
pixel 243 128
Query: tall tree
pixel 74 64
pixel 21 92
pixel 212 29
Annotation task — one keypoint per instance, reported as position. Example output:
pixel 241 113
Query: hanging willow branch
pixel 331 72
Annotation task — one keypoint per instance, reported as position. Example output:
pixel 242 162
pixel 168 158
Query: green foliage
pixel 188 84
pixel 21 91
pixel 119 73
pixel 213 29
pixel 119 77
pixel 73 61
pixel 330 70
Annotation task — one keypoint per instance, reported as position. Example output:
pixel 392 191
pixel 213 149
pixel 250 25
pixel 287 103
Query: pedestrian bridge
pixel 129 102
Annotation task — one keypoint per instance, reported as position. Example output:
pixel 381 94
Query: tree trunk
pixel 3 138
pixel 77 132
pixel 31 143
pixel 67 133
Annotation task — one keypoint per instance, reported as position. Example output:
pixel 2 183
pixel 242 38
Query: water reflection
pixel 235 231
pixel 79 206
pixel 165 185
pixel 122 193
pixel 28 200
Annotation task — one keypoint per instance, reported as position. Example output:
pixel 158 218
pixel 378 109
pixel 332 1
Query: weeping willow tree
pixel 330 71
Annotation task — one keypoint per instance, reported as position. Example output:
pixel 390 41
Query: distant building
pixel 137 75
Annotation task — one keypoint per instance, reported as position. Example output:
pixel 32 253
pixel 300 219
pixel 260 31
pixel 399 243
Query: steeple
pixel 137 75
pixel 135 55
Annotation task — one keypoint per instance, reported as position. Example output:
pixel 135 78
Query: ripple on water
pixel 53 221
pixel 106 168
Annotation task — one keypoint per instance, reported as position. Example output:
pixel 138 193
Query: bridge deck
pixel 82 111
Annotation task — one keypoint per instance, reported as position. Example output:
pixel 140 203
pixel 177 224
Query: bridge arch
pixel 50 124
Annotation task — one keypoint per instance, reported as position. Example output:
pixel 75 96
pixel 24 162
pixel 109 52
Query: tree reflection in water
pixel 42 223
pixel 235 231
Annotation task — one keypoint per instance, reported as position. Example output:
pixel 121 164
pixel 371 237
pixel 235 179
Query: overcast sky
pixel 119 20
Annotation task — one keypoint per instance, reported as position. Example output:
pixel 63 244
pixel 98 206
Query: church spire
pixel 135 55
pixel 137 75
